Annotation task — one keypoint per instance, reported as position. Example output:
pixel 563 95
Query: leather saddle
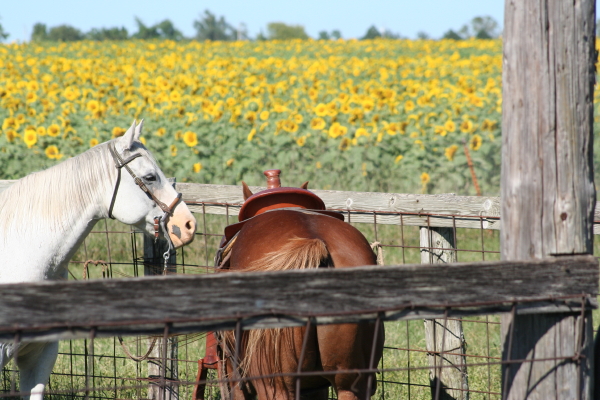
pixel 274 198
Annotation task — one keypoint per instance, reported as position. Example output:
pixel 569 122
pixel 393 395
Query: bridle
pixel 159 221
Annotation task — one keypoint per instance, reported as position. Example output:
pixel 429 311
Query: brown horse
pixel 287 239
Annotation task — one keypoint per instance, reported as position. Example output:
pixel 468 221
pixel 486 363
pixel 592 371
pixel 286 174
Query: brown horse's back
pixel 271 238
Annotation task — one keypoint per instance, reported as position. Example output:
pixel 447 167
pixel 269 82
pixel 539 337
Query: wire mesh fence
pixel 415 354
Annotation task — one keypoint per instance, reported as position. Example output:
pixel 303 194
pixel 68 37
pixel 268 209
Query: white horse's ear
pixel 138 130
pixel 128 137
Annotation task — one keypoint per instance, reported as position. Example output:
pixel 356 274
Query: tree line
pixel 210 27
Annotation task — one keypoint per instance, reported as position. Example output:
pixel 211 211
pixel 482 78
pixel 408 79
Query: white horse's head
pixel 141 200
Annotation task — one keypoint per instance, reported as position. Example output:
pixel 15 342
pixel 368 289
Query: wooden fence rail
pixel 441 210
pixel 71 309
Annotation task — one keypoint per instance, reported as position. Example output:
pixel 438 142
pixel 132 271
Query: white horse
pixel 45 216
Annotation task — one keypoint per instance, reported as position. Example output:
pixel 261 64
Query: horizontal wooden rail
pixel 70 309
pixel 442 210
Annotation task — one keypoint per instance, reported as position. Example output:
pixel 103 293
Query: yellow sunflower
pixel 190 138
pixel 53 153
pixel 30 137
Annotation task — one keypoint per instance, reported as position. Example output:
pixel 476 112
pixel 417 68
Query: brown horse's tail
pixel 264 347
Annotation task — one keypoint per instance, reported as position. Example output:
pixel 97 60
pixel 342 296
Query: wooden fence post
pixel 438 247
pixel 154 265
pixel 548 193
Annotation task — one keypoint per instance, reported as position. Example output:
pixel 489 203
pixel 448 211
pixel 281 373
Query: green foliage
pixel 162 30
pixel 450 34
pixel 40 32
pixel 208 27
pixel 484 27
pixel 107 34
pixel 334 35
pixel 372 33
pixel 281 31
pixel 3 35
pixel 64 33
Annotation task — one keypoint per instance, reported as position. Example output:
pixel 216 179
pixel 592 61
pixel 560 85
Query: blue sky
pixel 351 17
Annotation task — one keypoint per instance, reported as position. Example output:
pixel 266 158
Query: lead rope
pixel 378 249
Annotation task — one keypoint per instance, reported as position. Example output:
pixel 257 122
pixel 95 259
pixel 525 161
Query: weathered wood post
pixel 548 193
pixel 445 339
pixel 158 368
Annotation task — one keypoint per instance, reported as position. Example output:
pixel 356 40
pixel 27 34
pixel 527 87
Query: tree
pixel 167 30
pixel 145 32
pixel 372 33
pixel 484 27
pixel 162 30
pixel 64 33
pixel 334 35
pixel 423 35
pixel 450 34
pixel 40 32
pixel 281 31
pixel 107 34
pixel 3 35
pixel 208 27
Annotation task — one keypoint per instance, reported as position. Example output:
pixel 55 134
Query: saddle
pixel 274 198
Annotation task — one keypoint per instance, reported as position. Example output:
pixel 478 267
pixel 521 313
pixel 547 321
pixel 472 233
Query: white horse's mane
pixel 53 198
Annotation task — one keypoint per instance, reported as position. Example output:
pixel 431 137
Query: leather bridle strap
pixel 120 163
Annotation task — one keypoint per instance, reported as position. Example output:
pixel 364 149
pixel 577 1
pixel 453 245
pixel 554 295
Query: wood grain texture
pixel 467 209
pixel 62 309
pixel 444 338
pixel 548 194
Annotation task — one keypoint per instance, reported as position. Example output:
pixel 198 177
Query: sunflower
pixel 450 152
pixel 301 141
pixel 190 139
pixel 92 106
pixel 264 115
pixel 197 167
pixel 336 130
pixel 450 126
pixel 11 135
pixel 321 110
pixel 475 142
pixel 345 144
pixel 361 132
pixel 53 130
pixel 41 131
pixel 409 106
pixel 317 123
pixel 251 134
pixel 53 153
pixel 173 150
pixel 93 142
pixel 30 137
pixel 117 131
pixel 398 158
pixel 425 178
pixel 466 126
pixel 289 126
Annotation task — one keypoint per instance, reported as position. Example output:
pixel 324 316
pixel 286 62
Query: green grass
pixel 405 373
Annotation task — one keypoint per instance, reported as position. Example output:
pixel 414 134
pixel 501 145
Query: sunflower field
pixel 374 115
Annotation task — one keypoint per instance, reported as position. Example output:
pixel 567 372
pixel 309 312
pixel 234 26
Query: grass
pixel 405 364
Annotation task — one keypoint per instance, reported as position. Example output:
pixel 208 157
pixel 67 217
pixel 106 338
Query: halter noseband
pixel 159 221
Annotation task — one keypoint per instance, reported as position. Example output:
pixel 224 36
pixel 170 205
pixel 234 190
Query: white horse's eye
pixel 150 178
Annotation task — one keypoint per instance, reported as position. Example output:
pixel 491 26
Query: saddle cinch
pixel 273 198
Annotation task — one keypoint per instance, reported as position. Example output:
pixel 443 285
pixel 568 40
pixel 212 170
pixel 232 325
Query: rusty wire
pixel 91 390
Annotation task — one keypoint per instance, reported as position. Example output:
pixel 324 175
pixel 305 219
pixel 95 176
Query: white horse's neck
pixel 63 203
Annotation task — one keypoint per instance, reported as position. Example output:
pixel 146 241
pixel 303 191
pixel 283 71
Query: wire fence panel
pixel 401 229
